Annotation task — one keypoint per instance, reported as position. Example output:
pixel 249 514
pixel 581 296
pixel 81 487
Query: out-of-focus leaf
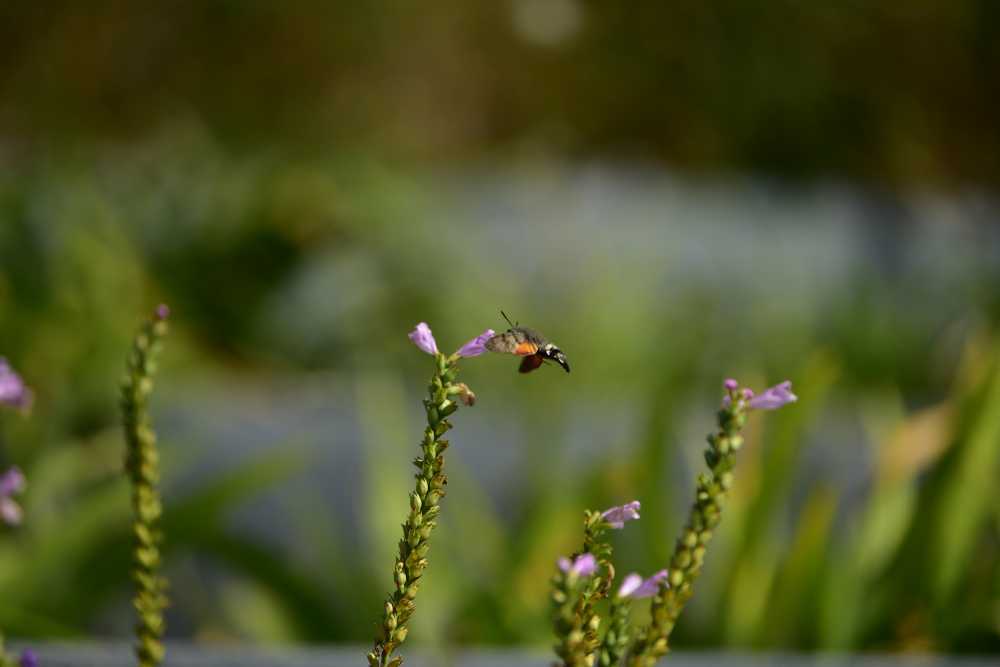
pixel 71 573
pixel 202 511
pixel 388 450
pixel 50 575
pixel 794 597
pixel 966 492
pixel 305 608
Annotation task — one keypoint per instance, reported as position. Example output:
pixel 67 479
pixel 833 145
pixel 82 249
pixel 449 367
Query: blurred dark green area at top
pixel 894 93
pixel 674 193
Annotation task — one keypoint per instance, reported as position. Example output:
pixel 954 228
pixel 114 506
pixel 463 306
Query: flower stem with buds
pixel 143 467
pixel 443 394
pixel 574 616
pixel 689 551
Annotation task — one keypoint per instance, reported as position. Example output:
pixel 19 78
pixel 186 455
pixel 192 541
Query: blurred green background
pixel 674 194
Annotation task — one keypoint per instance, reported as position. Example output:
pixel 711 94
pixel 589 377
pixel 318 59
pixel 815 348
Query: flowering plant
pixel 576 589
pixel 411 560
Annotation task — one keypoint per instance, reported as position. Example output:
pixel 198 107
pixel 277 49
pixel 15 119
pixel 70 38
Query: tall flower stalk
pixel 142 464
pixel 710 494
pixel 444 394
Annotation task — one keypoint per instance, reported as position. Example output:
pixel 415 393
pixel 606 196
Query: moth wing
pixel 510 342
pixel 530 363
pixel 504 343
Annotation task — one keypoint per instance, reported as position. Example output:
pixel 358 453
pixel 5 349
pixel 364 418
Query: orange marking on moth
pixel 525 348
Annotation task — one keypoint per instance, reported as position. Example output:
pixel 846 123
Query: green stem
pixel 143 467
pixel 689 551
pixel 424 508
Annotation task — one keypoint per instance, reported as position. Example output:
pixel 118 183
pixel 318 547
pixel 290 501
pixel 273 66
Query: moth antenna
pixel 512 325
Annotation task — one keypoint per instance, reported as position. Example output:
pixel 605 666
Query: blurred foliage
pixel 292 273
pixel 303 182
pixel 883 91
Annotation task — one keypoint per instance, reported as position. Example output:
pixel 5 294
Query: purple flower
pixel 424 339
pixel 584 565
pixel 477 345
pixel 629 585
pixel 28 658
pixel 730 384
pixel 634 586
pixel 12 389
pixel 162 311
pixel 774 397
pixel 617 516
pixel 11 482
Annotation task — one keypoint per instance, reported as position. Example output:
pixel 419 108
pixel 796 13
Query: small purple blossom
pixel 771 399
pixel 477 345
pixel 617 516
pixel 11 482
pixel 730 384
pixel 629 585
pixel 28 658
pixel 774 397
pixel 162 311
pixel 424 339
pixel 13 392
pixel 635 587
pixel 584 565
